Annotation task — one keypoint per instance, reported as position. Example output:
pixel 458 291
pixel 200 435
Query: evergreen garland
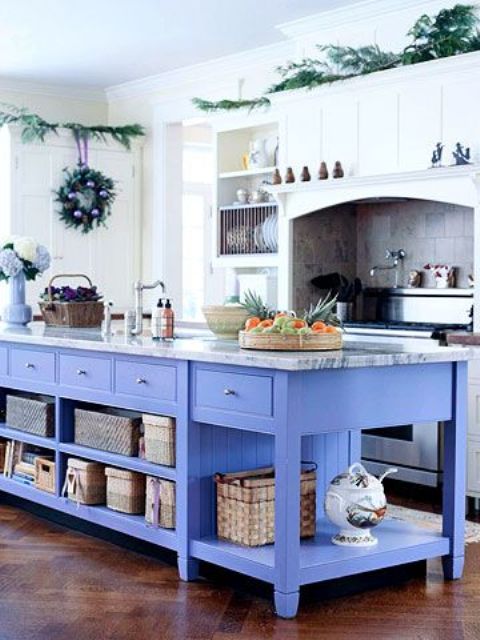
pixel 451 32
pixel 35 128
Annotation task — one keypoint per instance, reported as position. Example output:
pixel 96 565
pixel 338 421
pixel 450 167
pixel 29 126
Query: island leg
pixel 454 475
pixel 188 482
pixel 287 508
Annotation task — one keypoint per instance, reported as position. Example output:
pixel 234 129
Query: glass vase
pixel 16 312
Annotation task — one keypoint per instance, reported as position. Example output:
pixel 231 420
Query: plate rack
pixel 248 229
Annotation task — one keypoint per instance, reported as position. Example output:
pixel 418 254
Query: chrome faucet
pixel 107 322
pixel 139 288
pixel 395 257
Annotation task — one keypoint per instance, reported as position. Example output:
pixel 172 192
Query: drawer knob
pixel 141 381
pixel 81 372
pixel 29 365
pixel 229 392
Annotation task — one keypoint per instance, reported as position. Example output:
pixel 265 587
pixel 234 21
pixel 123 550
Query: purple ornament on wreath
pixel 72 195
pixel 103 193
pixel 77 214
pixel 94 213
pixel 90 184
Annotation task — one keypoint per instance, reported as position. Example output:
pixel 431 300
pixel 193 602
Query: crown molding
pixel 89 94
pixel 351 14
pixel 231 66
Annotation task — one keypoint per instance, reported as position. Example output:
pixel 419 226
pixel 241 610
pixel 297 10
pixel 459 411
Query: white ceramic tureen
pixel 355 502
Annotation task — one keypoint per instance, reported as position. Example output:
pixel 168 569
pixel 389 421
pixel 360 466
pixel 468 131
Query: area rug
pixel 432 521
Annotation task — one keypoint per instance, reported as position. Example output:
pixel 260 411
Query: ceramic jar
pixel 355 502
pixel 258 157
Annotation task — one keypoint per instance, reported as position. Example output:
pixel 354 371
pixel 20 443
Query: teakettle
pixel 355 502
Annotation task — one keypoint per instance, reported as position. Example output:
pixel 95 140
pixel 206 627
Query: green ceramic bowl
pixel 225 321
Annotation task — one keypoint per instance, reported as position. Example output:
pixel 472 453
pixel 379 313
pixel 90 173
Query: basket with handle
pixel 71 314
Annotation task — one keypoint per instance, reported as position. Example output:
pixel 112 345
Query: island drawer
pixel 155 381
pixel 86 372
pixel 30 364
pixel 3 361
pixel 236 394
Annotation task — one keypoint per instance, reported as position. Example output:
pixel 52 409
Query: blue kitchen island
pixel 238 410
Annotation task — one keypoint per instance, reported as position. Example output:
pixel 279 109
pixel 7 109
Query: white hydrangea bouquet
pixel 20 253
pixel 21 259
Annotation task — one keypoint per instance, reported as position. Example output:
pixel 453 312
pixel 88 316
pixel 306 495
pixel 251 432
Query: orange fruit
pixel 330 330
pixel 251 323
pixel 297 324
pixel 319 326
pixel 265 323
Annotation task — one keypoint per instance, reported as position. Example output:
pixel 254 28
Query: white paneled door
pixel 109 256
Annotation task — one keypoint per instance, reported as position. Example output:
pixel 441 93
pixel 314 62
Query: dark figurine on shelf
pixel 290 176
pixel 305 175
pixel 338 170
pixel 276 178
pixel 461 155
pixel 323 171
pixel 437 155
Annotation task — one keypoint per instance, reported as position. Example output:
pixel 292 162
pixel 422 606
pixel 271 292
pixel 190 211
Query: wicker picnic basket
pixel 71 314
pixel 279 342
pixel 114 430
pixel 33 414
pixel 159 439
pixel 125 490
pixel 246 506
pixel 160 504
pixel 85 481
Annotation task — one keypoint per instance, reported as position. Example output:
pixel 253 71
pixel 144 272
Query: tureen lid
pixel 357 477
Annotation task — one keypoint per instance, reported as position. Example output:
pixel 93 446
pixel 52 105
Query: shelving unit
pixel 236 227
pixel 29 438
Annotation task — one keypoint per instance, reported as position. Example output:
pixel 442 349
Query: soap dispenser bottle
pixel 167 321
pixel 157 320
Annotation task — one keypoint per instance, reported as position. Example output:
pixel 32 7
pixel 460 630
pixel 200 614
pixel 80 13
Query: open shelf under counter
pixel 23 436
pixel 245 173
pixel 132 525
pixel 399 542
pixel 116 460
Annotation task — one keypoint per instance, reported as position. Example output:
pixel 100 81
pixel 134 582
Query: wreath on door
pixel 86 195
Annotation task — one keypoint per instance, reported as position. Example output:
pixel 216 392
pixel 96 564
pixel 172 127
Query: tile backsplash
pixel 352 238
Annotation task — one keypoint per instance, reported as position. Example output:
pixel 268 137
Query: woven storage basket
pixel 85 481
pixel 34 414
pixel 125 490
pixel 45 475
pixel 279 342
pixel 246 506
pixel 110 430
pixel 71 314
pixel 159 439
pixel 160 504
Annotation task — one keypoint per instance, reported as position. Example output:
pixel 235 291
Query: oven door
pixel 415 449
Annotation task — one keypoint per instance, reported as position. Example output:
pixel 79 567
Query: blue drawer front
pixel 234 392
pixel 85 372
pixel 155 381
pixel 29 364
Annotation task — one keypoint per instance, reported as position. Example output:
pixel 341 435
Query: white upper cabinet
pixel 109 256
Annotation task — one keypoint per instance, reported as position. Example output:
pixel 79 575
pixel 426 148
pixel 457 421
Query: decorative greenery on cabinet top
pixel 449 33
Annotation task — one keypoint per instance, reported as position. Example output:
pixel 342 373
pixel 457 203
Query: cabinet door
pixel 108 255
pixel 473 466
pixel 474 409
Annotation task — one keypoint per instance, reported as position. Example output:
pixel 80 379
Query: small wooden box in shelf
pixel 250 229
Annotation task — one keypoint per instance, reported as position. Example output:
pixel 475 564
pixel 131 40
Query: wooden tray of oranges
pixel 270 331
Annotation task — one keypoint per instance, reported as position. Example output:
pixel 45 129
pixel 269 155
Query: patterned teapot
pixel 355 502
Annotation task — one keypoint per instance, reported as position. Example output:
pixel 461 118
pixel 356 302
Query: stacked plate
pixel 266 235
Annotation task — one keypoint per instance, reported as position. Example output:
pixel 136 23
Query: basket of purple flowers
pixel 69 307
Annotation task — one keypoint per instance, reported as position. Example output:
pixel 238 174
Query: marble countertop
pixel 207 349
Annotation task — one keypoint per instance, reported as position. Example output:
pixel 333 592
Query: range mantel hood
pixel 451 185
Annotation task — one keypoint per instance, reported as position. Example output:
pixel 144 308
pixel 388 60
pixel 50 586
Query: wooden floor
pixel 60 584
